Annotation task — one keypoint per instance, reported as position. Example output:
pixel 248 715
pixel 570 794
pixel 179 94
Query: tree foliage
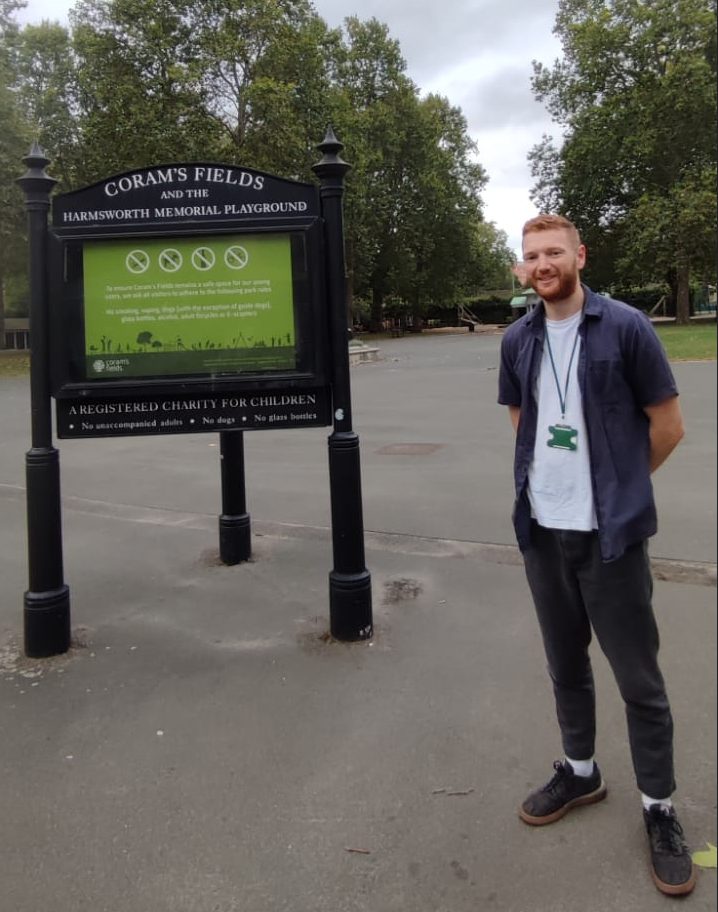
pixel 413 196
pixel 493 257
pixel 14 143
pixel 261 67
pixel 635 94
pixel 138 96
pixel 43 85
pixel 256 82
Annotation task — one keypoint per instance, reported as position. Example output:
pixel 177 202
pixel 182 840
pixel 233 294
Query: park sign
pixel 173 194
pixel 189 298
pixel 186 298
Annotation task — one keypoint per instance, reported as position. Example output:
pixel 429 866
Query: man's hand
pixel 666 429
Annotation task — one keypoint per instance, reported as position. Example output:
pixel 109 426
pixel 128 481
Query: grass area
pixel 696 342
pixel 14 363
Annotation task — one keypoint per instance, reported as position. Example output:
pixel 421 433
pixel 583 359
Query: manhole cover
pixel 409 449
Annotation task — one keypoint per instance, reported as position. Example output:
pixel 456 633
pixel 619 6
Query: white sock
pixel 581 767
pixel 665 803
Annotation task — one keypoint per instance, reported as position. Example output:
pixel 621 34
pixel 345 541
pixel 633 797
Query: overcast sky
pixel 478 54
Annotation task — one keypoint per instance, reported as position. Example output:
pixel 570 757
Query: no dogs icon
pixel 236 257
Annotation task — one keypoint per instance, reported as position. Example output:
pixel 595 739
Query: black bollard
pixel 235 536
pixel 47 601
pixel 350 606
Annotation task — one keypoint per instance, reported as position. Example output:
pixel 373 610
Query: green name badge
pixel 563 437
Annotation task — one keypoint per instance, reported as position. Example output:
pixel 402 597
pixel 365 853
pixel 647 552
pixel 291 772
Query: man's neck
pixel 562 310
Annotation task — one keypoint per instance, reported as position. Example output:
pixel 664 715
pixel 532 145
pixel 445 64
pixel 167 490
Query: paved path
pixel 205 747
pixel 436 390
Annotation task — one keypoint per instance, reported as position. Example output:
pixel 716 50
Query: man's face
pixel 552 262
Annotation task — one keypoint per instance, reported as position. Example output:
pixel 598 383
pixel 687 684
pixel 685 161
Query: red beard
pixel 561 287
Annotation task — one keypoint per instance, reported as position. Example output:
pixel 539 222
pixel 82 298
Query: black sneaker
pixel 565 791
pixel 671 863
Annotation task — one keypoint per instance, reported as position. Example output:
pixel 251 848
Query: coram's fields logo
pixel 114 366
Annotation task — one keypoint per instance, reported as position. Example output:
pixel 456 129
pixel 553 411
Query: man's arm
pixel 515 415
pixel 665 429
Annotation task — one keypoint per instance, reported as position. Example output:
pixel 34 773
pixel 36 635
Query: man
pixel 595 408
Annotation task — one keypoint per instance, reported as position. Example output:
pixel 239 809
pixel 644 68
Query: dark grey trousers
pixel 574 591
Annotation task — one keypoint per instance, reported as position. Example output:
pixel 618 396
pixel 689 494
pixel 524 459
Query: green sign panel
pixel 161 307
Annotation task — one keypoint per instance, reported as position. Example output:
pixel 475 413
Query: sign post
pixel 350 608
pixel 47 600
pixel 235 535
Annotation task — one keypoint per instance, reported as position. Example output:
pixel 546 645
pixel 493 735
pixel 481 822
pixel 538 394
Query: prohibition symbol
pixel 137 261
pixel 203 258
pixel 170 259
pixel 236 257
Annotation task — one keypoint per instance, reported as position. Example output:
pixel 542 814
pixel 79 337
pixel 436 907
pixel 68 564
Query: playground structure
pixel 468 318
pixel 520 304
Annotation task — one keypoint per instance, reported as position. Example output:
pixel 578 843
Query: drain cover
pixel 409 449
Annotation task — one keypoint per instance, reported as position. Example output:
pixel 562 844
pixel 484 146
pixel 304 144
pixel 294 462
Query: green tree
pixel 493 258
pixel 138 94
pixel 262 65
pixel 372 104
pixel 413 192
pixel 15 139
pixel 44 79
pixel 256 82
pixel 636 95
pixel 240 81
pixel 14 144
pixel 443 213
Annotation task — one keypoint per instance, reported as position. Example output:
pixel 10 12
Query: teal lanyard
pixel 561 399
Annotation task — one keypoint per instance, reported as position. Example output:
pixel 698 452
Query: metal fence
pixel 17 339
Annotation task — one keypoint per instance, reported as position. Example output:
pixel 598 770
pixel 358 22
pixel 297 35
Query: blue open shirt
pixel 622 368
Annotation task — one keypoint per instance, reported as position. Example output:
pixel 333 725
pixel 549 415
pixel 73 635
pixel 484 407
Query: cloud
pixel 476 53
pixel 504 99
pixel 435 35
pixel 509 208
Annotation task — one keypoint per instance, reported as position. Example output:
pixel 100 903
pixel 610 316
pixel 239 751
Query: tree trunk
pixel 2 313
pixel 417 319
pixel 377 310
pixel 669 309
pixel 349 281
pixel 683 300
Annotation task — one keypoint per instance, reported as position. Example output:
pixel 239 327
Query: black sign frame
pixel 216 201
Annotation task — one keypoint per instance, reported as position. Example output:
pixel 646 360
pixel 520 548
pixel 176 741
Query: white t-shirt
pixel 559 488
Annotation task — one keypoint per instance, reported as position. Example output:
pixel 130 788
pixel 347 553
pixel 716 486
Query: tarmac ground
pixel 206 746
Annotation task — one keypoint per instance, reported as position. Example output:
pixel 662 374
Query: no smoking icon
pixel 203 258
pixel 236 257
pixel 137 261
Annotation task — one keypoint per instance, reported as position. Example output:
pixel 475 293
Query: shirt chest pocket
pixel 607 385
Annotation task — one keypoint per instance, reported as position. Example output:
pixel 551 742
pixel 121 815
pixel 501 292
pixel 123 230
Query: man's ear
pixel 581 256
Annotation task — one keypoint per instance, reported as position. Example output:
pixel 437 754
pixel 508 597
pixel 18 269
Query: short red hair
pixel 545 222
